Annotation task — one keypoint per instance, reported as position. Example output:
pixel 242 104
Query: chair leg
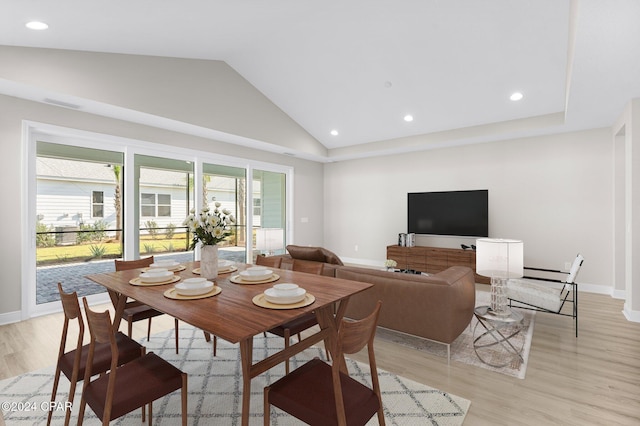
pixel 287 337
pixel 207 336
pixel 149 330
pixel 267 407
pixel 83 403
pixel 150 412
pixel 129 327
pixel 184 399
pixel 72 392
pixel 215 345
pixel 175 324
pixel 53 395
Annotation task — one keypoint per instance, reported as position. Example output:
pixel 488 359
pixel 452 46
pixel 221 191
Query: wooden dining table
pixel 233 316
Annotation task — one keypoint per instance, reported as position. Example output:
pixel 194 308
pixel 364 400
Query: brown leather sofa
pixel 436 307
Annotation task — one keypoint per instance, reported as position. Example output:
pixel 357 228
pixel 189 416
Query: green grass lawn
pixel 107 249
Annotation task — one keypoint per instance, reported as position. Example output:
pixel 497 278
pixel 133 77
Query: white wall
pixel 553 192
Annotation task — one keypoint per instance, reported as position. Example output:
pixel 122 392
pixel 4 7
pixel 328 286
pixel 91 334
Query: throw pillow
pixel 306 253
pixel 331 257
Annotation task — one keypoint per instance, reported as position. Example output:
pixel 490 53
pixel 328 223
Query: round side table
pixel 497 331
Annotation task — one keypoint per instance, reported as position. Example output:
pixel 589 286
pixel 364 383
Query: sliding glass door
pixel 164 195
pixel 78 219
pixel 88 205
pixel 269 216
pixel 228 186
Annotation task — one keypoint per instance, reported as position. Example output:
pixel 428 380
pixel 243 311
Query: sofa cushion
pixel 546 296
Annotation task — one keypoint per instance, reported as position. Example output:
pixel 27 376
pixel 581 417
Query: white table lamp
pixel 499 259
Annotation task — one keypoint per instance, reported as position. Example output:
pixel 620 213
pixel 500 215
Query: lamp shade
pixel 496 257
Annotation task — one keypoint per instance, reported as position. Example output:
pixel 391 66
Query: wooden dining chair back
pixel 135 311
pixel 270 261
pixel 321 394
pixel 298 325
pixel 73 363
pixel 308 266
pixel 133 385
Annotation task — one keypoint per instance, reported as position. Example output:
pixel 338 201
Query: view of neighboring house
pixel 73 193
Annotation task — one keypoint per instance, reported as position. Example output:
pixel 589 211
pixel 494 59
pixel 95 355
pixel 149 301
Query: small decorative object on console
pixel 390 264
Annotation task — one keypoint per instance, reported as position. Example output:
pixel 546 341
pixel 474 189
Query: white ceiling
pixel 360 66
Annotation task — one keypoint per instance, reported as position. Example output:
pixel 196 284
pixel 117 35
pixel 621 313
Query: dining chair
pixel 130 386
pixel 308 266
pixel 135 311
pixel 320 394
pixel 298 325
pixel 74 363
pixel 270 261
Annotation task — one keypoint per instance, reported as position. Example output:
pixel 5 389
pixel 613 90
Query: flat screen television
pixel 456 213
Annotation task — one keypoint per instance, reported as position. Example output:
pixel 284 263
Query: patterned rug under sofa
pixel 215 389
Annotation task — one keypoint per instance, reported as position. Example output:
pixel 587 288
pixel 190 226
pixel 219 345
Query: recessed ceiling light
pixel 516 96
pixel 334 132
pixel 36 25
pixel 408 118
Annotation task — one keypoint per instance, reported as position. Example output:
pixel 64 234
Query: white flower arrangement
pixel 209 227
pixel 390 263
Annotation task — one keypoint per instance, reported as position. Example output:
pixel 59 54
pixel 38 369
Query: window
pixel 256 207
pixel 164 205
pixel 97 204
pixel 149 208
pixel 148 205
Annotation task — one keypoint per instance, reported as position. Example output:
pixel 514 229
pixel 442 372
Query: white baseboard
pixel 362 262
pixel 50 308
pixel 619 294
pixel 631 315
pixel 595 288
pixel 10 317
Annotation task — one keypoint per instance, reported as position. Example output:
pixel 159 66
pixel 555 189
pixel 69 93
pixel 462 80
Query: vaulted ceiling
pixel 360 66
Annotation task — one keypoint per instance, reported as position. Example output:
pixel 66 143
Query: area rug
pixel 215 389
pixel 462 348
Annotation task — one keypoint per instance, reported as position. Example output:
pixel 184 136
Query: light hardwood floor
pixel 591 380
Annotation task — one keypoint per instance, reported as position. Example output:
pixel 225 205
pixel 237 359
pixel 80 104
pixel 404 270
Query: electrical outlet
pixel 567 266
pixel 356 247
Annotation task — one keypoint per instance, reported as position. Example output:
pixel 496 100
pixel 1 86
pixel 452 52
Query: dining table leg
pixel 246 359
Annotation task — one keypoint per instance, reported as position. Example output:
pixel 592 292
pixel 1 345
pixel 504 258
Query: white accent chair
pixel 547 294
